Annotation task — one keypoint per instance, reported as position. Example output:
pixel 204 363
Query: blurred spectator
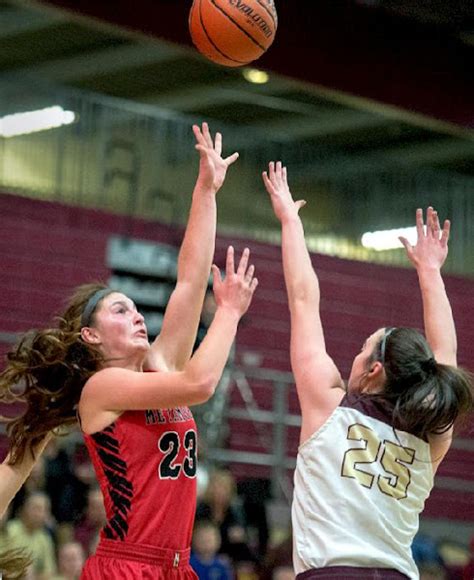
pixel 279 559
pixel 71 559
pixel 87 530
pixel 431 571
pixel 425 551
pixel 283 573
pixel 468 572
pixel 255 493
pixel 204 558
pixel 35 483
pixel 221 505
pixel 29 531
pixel 64 482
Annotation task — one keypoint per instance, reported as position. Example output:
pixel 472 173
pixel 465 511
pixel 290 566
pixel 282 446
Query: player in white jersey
pixel 367 452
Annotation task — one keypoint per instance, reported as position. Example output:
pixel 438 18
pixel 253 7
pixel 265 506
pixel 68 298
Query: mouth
pixel 142 333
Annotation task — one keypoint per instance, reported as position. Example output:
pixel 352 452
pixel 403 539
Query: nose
pixel 139 318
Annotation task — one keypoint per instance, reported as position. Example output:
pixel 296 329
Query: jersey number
pixel 392 458
pixel 169 444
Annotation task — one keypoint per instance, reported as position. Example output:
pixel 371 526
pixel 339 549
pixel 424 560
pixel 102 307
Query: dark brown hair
pixel 427 396
pixel 47 371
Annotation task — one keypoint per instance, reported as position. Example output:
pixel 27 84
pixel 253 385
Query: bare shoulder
pixel 93 418
pixel 439 446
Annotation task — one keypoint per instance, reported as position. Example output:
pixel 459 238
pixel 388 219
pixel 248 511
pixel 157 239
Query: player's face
pixel 120 328
pixel 361 362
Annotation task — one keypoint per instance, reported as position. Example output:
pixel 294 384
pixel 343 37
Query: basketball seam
pixel 212 42
pixel 269 12
pixel 238 26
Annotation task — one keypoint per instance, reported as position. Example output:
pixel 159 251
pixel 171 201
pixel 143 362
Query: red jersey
pixel 146 463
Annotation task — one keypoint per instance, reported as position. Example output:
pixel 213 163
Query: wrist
pixel 204 190
pixel 428 269
pixel 232 313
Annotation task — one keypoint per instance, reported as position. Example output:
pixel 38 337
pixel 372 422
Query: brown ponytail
pixel 427 397
pixel 47 371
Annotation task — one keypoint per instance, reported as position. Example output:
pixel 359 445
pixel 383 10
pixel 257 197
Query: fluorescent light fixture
pixel 253 75
pixel 388 239
pixel 34 121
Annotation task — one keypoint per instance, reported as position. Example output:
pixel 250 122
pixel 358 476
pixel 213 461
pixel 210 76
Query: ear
pixel 376 370
pixel 90 335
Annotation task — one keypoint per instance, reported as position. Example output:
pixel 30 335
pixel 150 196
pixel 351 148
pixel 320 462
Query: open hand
pixel 276 183
pixel 431 248
pixel 212 166
pixel 237 288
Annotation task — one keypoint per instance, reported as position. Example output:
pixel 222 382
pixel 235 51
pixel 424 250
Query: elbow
pixel 203 388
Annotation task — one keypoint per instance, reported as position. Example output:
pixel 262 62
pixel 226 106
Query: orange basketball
pixel 233 32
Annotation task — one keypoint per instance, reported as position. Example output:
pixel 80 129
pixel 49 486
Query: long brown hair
pixel 14 561
pixel 427 396
pixel 47 371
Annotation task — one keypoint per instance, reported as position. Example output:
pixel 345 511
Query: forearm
pixel 211 357
pixel 12 477
pixel 437 314
pixel 300 278
pixel 197 248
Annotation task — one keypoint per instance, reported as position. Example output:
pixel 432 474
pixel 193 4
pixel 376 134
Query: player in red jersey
pixel 137 425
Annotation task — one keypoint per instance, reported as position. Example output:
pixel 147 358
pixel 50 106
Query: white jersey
pixel 359 489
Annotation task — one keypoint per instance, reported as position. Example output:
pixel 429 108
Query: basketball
pixel 233 32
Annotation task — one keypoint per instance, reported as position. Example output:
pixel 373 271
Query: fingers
pixel 244 260
pixel 406 243
pixel 218 144
pixel 445 232
pixel 216 276
pixel 268 184
pixel 229 264
pixel 231 159
pixel 299 204
pixel 207 135
pixel 419 223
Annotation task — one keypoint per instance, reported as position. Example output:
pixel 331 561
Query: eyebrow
pixel 124 303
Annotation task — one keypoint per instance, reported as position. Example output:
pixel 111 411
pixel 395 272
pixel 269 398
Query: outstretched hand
pixel 431 248
pixel 276 183
pixel 235 291
pixel 212 166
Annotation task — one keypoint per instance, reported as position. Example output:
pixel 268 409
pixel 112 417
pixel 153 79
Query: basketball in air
pixel 233 32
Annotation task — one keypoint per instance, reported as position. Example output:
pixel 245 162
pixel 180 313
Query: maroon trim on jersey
pixel 350 572
pixel 375 407
pixel 120 489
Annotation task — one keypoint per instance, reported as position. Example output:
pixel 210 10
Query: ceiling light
pixel 253 75
pixel 388 239
pixel 34 121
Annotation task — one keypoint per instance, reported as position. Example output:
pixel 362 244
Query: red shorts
pixel 124 561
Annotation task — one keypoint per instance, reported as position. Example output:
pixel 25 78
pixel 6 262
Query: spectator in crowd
pixel 432 571
pixel 87 530
pixel 468 572
pixel 283 573
pixel 205 560
pixel 425 551
pixel 30 531
pixel 71 559
pixel 278 559
pixel 221 505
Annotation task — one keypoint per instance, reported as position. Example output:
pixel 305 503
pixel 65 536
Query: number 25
pixel 392 459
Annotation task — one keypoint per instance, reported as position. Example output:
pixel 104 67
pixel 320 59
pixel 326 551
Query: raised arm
pixel 428 256
pixel 12 477
pixel 315 373
pixel 173 347
pixel 114 390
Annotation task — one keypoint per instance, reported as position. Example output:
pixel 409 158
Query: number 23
pixel 169 444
